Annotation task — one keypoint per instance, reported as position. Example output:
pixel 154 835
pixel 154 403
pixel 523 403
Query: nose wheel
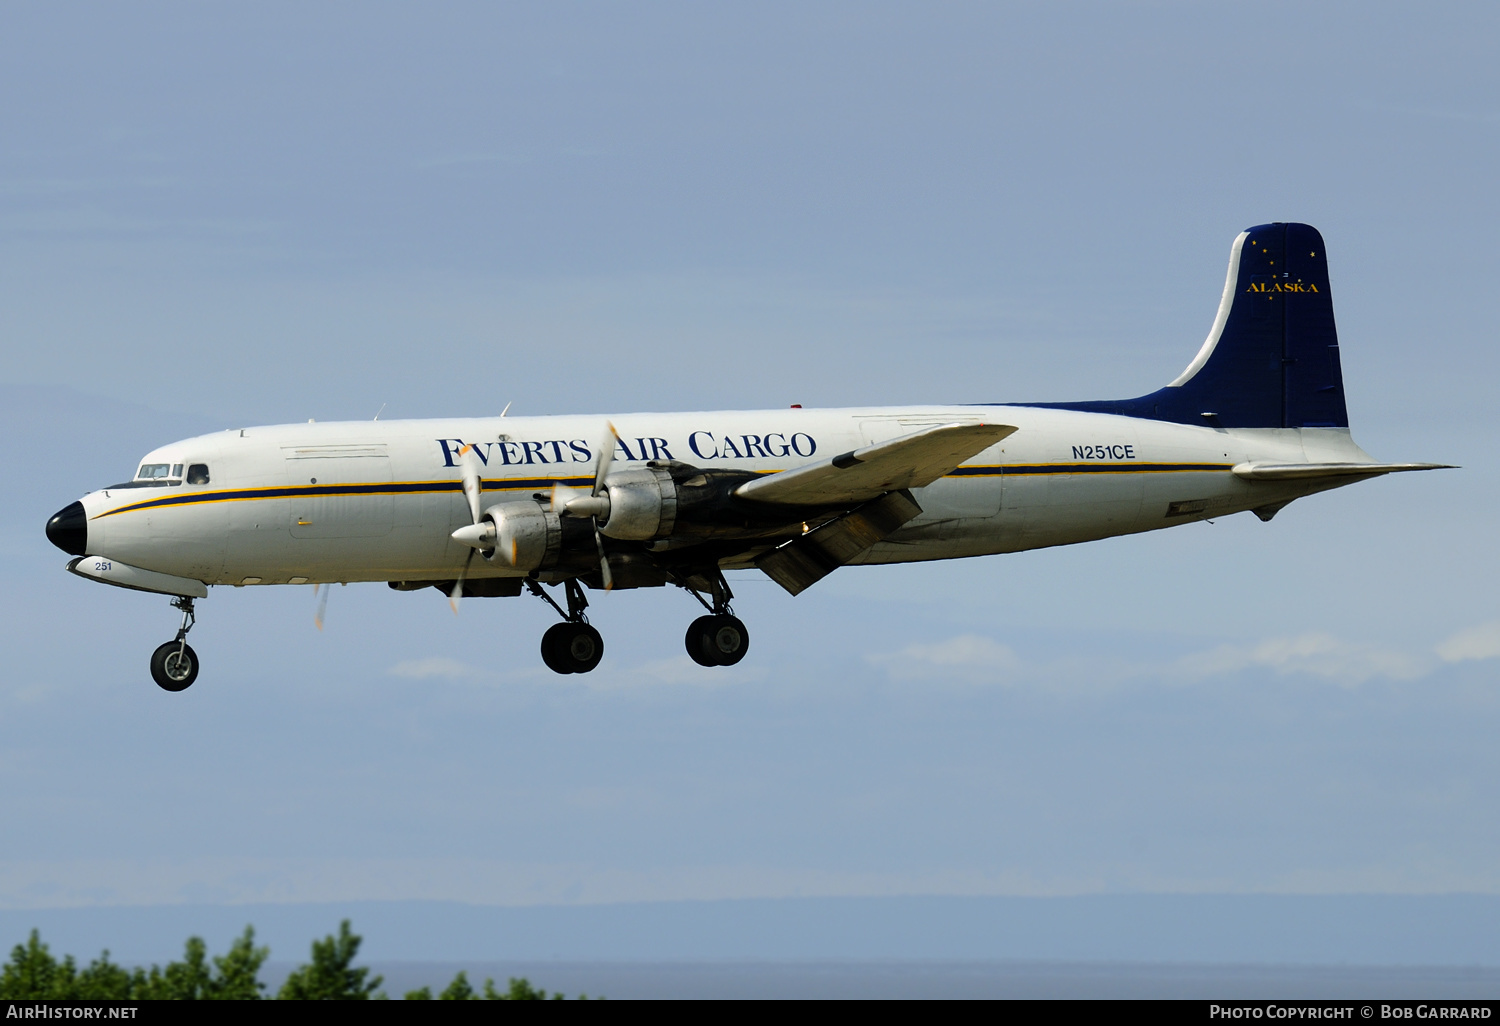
pixel 174 666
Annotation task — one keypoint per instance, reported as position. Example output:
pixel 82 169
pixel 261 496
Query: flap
pixel 910 461
pixel 803 562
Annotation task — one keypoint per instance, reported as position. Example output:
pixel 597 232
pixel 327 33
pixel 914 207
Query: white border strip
pixel 1226 303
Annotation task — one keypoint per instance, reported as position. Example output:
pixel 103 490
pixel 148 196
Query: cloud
pixel 673 671
pixel 967 656
pixel 433 666
pixel 1319 655
pixel 1481 642
pixel 236 879
pixel 975 659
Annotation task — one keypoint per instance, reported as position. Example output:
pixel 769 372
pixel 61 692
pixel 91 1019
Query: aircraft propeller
pixel 322 604
pixel 570 502
pixel 481 535
pixel 477 535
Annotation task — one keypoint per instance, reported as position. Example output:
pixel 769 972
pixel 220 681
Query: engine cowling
pixel 528 536
pixel 642 504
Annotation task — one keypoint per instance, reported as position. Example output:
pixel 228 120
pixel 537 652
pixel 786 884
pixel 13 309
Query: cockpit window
pixel 153 471
pixel 198 473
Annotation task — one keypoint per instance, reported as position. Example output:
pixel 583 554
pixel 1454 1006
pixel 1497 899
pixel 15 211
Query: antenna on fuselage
pixel 381 410
pixel 507 409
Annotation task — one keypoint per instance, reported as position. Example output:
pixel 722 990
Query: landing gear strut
pixel 174 666
pixel 571 646
pixel 720 638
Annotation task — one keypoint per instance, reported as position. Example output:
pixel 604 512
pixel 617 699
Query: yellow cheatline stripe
pixel 266 492
pixel 240 495
pixel 1023 469
pixel 393 488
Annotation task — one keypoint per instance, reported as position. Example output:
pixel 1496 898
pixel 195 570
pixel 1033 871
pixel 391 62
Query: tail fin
pixel 1272 357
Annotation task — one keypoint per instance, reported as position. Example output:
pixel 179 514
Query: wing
pixel 1295 471
pixel 860 475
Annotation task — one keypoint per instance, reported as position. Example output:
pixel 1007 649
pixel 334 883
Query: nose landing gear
pixel 174 666
pixel 572 646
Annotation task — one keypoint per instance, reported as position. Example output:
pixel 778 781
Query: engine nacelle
pixel 528 536
pixel 642 504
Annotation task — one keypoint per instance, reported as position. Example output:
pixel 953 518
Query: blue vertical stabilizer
pixel 1272 358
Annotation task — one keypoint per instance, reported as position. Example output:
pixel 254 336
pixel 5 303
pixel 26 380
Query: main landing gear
pixel 720 638
pixel 572 646
pixel 174 666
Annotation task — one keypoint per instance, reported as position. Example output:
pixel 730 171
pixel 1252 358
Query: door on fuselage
pixel 339 491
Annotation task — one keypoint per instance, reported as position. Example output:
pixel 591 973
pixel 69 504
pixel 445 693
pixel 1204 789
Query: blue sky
pixel 216 216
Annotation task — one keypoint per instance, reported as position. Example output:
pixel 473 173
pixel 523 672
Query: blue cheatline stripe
pixel 1015 469
pixel 534 483
pixel 370 488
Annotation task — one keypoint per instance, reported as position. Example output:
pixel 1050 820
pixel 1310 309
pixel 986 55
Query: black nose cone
pixel 69 530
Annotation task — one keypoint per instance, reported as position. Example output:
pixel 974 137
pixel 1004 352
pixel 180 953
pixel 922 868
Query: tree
pixel 459 989
pixel 32 972
pixel 232 978
pixel 330 976
pixel 102 980
pixel 519 990
pixel 237 976
pixel 187 980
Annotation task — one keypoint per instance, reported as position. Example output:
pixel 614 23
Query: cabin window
pixel 198 473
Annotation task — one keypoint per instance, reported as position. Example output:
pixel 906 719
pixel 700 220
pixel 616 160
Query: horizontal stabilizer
pixel 1300 471
pixel 911 461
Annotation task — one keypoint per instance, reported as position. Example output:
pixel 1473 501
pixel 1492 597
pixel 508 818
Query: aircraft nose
pixel 69 530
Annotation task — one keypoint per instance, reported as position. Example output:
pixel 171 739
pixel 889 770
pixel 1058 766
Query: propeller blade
pixel 606 457
pixel 469 461
pixel 322 604
pixel 609 579
pixel 458 587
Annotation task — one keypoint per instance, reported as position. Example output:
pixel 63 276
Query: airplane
pixel 489 507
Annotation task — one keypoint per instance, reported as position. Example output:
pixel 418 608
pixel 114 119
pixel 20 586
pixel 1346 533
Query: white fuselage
pixel 378 500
